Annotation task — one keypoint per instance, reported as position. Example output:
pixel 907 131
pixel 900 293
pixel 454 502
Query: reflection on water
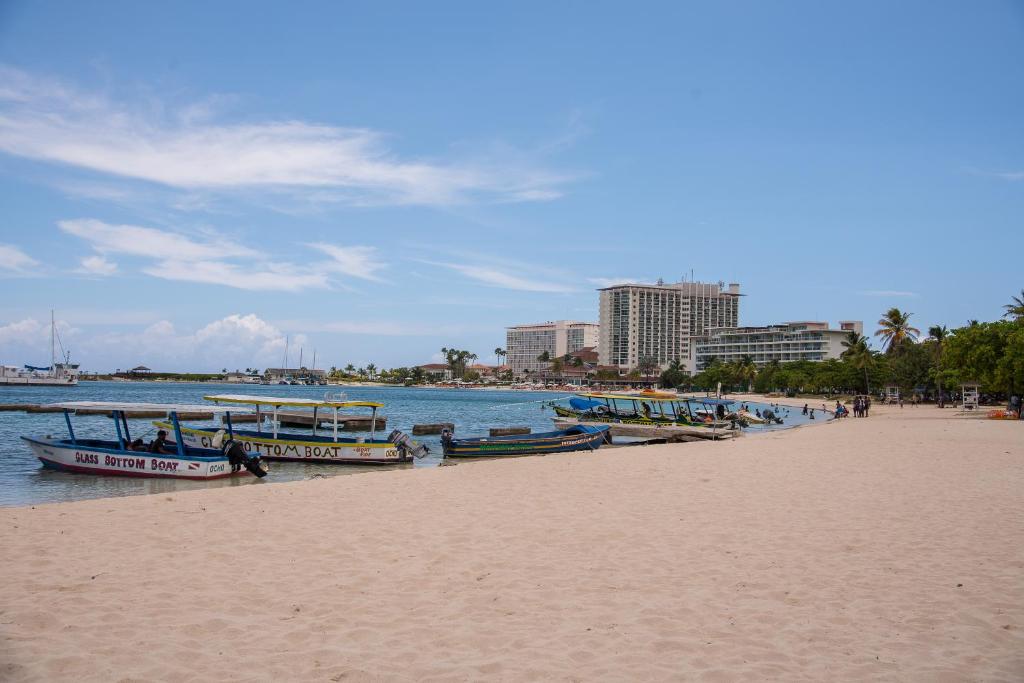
pixel 23 481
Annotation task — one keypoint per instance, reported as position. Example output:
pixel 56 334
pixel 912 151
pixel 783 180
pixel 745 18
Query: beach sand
pixel 889 548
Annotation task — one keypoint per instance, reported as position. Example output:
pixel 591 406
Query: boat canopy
pixel 636 397
pixel 155 407
pixel 293 401
pixel 657 399
pixel 584 403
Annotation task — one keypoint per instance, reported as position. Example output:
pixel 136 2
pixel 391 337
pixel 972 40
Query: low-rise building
pixel 437 371
pixel 785 342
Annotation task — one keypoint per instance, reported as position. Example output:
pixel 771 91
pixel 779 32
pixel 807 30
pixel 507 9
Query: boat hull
pixel 83 458
pixel 300 449
pixel 612 418
pixel 588 439
pixel 649 430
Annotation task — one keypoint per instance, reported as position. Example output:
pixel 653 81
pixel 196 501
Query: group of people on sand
pixel 861 406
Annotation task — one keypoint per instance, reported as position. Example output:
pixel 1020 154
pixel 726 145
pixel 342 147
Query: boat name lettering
pixel 163 465
pixel 128 463
pixel 89 458
pixel 321 452
pixel 217 468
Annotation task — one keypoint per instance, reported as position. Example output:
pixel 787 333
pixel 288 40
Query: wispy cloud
pixel 215 259
pixel 14 261
pixel 186 149
pixel 1012 176
pixel 499 276
pixel 887 292
pixel 360 262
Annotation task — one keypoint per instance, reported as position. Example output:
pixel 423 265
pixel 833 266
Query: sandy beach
pixel 889 548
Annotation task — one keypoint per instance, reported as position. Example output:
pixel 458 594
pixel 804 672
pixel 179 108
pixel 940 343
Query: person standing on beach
pixel 805 409
pixel 867 405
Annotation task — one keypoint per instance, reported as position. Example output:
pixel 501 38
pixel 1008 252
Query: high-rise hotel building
pixel 524 343
pixel 662 321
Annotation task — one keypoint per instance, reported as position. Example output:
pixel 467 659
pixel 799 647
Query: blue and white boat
pixel 122 457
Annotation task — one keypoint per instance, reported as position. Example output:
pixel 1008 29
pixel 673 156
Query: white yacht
pixel 64 373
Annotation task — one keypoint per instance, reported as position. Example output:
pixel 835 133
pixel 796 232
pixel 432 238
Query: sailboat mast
pixel 53 349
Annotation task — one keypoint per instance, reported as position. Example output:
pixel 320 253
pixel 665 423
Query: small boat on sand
pixel 576 438
pixel 125 458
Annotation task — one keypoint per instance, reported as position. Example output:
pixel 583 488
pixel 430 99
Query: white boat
pixel 117 457
pixel 311 447
pixel 56 374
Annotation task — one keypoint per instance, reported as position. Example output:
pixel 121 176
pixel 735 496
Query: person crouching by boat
pixel 159 444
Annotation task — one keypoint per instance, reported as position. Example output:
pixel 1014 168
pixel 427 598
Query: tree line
pixel 989 353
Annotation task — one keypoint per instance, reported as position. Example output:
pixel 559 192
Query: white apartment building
pixel 784 342
pixel 661 321
pixel 524 343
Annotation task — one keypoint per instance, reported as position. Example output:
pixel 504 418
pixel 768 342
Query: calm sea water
pixel 23 481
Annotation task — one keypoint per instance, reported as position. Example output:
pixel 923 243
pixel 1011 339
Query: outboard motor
pixel 406 445
pixel 238 459
pixel 446 439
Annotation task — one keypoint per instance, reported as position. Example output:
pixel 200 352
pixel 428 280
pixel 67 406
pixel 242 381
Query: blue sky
pixel 187 184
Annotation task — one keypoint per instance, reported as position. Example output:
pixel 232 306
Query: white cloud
pixel 214 259
pixel 25 331
pixel 234 341
pixel 28 340
pixel 49 121
pixel 887 292
pixel 97 265
pixel 15 261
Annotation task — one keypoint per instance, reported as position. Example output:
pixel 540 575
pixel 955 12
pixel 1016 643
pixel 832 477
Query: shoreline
pixel 879 548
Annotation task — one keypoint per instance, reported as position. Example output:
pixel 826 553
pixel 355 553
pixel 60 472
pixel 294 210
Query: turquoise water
pixel 23 481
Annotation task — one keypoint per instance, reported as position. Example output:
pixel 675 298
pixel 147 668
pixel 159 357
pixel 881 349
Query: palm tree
pixel 858 354
pixel 1015 308
pixel 938 333
pixel 500 353
pixel 350 369
pixel 544 357
pixel 895 330
pixel 746 371
pixel 371 369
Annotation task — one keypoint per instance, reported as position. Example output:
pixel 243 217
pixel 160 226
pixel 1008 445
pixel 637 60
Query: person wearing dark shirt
pixel 159 444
